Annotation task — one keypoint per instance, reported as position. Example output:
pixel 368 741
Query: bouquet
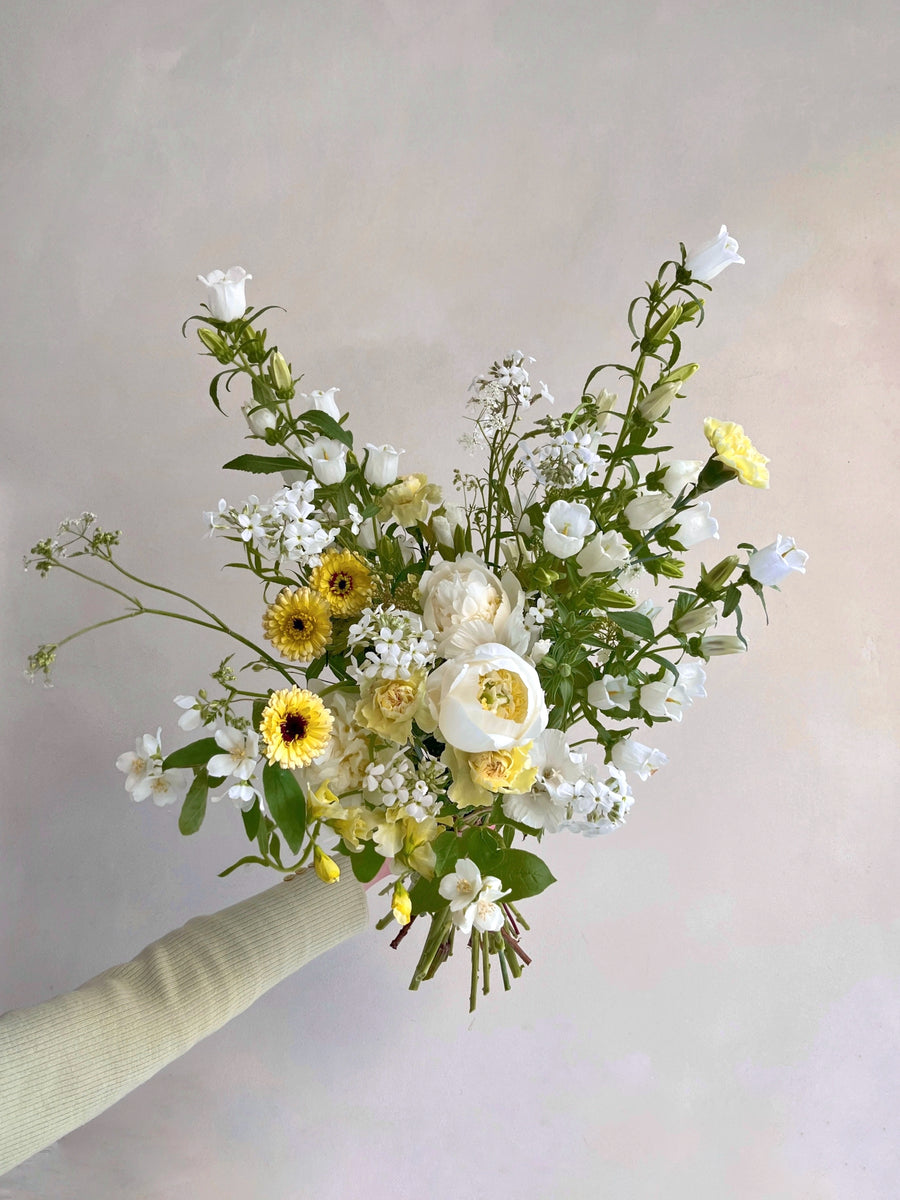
pixel 434 685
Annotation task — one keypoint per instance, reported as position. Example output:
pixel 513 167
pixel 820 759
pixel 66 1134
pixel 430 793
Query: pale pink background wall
pixel 714 1008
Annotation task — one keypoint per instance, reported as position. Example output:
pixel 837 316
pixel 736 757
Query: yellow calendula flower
pixel 298 624
pixel 409 500
pixel 735 450
pixel 296 727
pixel 344 581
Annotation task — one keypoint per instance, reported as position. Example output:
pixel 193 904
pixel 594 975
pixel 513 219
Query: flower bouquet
pixel 432 685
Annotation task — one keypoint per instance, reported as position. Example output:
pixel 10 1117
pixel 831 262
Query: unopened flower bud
pixel 680 374
pixel 544 577
pixel 719 575
pixel 657 403
pixel 259 419
pixel 254 344
pixel 691 309
pixel 401 905
pixel 664 325
pixel 215 344
pixel 721 643
pixel 326 868
pixel 280 374
pixel 695 620
pixel 671 568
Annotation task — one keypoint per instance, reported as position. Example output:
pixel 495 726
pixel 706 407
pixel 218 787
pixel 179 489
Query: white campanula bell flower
pixel 774 563
pixel 323 402
pixel 382 465
pixel 328 459
pixel 225 293
pixel 566 525
pixel 696 524
pixel 713 257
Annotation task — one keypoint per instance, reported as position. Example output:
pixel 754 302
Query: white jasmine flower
pixel 142 762
pixel 713 257
pixel 612 691
pixel 648 510
pixel 243 794
pixel 328 459
pixel 225 293
pixel 774 563
pixel 681 473
pixel 462 886
pixel 483 914
pixel 696 524
pixel 382 465
pixel 630 755
pixel 164 787
pixel 566 525
pixel 190 718
pixel 241 754
pixel 605 553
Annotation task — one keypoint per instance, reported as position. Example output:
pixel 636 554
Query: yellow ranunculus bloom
pixel 735 450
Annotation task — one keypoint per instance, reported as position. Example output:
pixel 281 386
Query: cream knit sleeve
pixel 65 1061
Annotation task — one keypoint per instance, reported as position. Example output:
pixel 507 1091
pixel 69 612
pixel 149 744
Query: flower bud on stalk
pixel 259 419
pixel 695 619
pixel 657 403
pixel 721 643
pixel 280 374
pixel 401 905
pixel 254 344
pixel 215 344
pixel 719 575
pixel 664 326
pixel 326 868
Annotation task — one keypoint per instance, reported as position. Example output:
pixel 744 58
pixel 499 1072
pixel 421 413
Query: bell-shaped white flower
pixel 647 510
pixel 630 755
pixel 659 699
pixel 713 257
pixel 323 402
pixel 566 525
pixel 225 293
pixel 691 679
pixel 605 553
pixel 328 459
pixel 382 465
pixel 680 474
pixel 721 643
pixel 611 692
pixel 696 524
pixel 259 419
pixel 774 563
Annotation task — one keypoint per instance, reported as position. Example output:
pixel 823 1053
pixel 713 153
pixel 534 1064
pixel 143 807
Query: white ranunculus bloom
pixel 629 755
pixel 774 563
pixel 605 553
pixel 566 525
pixel 486 699
pixel 612 691
pixel 323 402
pixel 713 257
pixel 465 604
pixel 382 465
pixel 696 524
pixel 328 459
pixel 225 293
pixel 680 474
pixel 647 510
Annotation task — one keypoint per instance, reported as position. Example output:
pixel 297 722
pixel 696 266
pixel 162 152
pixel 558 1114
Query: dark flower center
pixel 300 624
pixel 293 727
pixel 341 583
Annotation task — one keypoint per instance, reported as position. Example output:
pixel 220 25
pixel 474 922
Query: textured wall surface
pixel 714 1007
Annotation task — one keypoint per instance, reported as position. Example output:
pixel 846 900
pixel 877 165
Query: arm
pixel 65 1061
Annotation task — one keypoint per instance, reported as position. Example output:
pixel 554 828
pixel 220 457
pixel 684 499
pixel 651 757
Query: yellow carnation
pixel 736 451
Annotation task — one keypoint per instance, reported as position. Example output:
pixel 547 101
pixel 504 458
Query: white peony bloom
pixel 680 474
pixel 648 510
pixel 464 604
pixel 323 402
pixel 241 754
pixel 696 524
pixel 328 459
pixel 612 691
pixel 382 466
pixel 462 886
pixel 566 525
pixel 605 553
pixel 225 293
pixel 774 563
pixel 486 699
pixel 713 257
pixel 629 755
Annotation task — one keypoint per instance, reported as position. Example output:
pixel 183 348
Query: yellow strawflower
pixel 296 727
pixel 298 624
pixel 735 450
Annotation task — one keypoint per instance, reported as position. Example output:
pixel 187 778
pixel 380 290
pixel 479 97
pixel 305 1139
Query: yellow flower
pixel 401 905
pixel 326 868
pixel 735 450
pixel 388 706
pixel 477 778
pixel 344 580
pixel 296 727
pixel 406 839
pixel 323 804
pixel 298 624
pixel 355 825
pixel 409 500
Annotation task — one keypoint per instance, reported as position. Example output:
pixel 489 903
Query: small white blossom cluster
pixel 145 776
pixel 287 527
pixel 398 644
pixel 535 616
pixel 400 784
pixel 473 898
pixel 597 802
pixel 499 394
pixel 566 461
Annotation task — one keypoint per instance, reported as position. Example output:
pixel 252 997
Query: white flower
pixel 649 509
pixel 191 717
pixel 144 761
pixel 774 563
pixel 382 465
pixel 165 787
pixel 691 679
pixel 680 474
pixel 259 419
pixel 328 459
pixel 612 691
pixel 544 807
pixel 657 402
pixel 629 755
pixel 464 604
pixel 241 754
pixel 225 293
pixel 243 794
pixel 323 402
pixel 660 700
pixel 605 553
pixel 484 914
pixel 487 699
pixel 461 887
pixel 566 525
pixel 712 257
pixel 696 524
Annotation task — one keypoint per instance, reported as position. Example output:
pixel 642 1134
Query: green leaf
pixel 366 863
pixel 326 425
pixel 251 817
pixel 524 874
pixel 484 848
pixel 425 897
pixel 197 754
pixel 194 808
pixel 632 622
pixel 286 802
pixel 260 464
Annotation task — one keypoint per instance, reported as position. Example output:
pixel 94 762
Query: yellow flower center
pixel 503 693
